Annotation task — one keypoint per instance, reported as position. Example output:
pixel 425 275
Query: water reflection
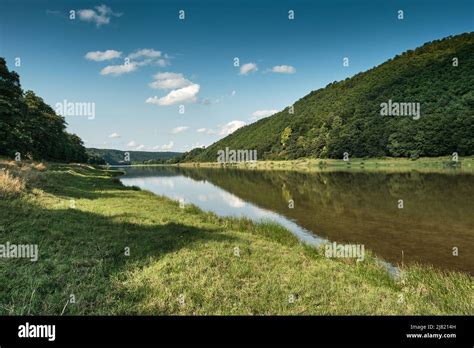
pixel 212 198
pixel 347 207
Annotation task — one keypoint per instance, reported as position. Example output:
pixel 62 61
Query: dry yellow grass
pixel 40 167
pixel 10 186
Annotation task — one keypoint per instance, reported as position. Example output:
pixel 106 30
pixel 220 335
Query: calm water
pixel 346 207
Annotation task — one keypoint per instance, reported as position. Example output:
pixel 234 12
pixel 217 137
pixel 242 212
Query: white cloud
pixel 205 130
pixel 133 144
pixel 117 70
pixel 233 201
pixel 114 135
pixel 284 69
pixel 146 52
pixel 164 147
pixel 169 80
pixel 99 56
pixel 195 145
pixel 262 113
pixel 148 56
pixel 232 93
pixel 162 62
pixel 100 16
pixel 231 127
pixel 143 57
pixel 179 129
pixel 182 95
pixel 248 68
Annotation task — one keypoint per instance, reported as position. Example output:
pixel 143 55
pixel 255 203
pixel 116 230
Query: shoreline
pixel 438 164
pixel 423 164
pixel 220 265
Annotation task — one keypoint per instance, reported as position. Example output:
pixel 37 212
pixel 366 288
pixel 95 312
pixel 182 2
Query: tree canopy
pixel 346 116
pixel 31 127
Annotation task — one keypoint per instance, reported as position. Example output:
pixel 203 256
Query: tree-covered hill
pixel 114 157
pixel 345 116
pixel 31 128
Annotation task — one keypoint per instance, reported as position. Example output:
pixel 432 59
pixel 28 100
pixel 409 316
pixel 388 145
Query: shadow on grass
pixel 88 187
pixel 81 253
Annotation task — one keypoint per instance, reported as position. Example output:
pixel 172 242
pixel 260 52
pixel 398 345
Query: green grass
pixel 388 164
pixel 182 261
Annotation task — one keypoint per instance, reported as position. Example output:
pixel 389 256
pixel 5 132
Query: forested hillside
pixel 30 127
pixel 346 116
pixel 102 156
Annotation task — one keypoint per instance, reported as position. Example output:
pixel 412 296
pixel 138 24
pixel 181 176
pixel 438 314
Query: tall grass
pixel 10 186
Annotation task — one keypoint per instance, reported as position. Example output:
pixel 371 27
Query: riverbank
pixel 120 250
pixel 423 164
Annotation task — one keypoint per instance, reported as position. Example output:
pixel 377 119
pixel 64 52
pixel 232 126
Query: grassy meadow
pixel 121 250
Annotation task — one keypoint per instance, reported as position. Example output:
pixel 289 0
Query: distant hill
pixel 136 157
pixel 346 116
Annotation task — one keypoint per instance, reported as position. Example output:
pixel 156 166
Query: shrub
pixel 10 186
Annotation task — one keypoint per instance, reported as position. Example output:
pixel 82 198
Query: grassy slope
pixel 425 75
pixel 185 252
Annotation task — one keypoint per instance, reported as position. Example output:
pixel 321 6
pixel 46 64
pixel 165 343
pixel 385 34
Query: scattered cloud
pixel 284 69
pixel 100 15
pixel 193 146
pixel 148 56
pixel 117 70
pixel 182 95
pixel 164 147
pixel 206 130
pixel 143 57
pixel 262 113
pixel 114 135
pixel 179 129
pixel 169 80
pixel 132 144
pixel 146 52
pixel 140 147
pixel 248 68
pixel 231 127
pixel 100 56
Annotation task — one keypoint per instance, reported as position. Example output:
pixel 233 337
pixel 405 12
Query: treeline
pixel 346 116
pixel 115 157
pixel 30 127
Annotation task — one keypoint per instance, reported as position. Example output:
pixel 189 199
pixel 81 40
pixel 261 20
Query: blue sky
pixel 190 62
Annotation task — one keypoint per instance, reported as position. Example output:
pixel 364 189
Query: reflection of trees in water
pixel 361 207
pixel 286 194
pixel 438 197
pixel 135 172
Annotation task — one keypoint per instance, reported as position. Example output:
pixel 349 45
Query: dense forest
pixel 346 116
pixel 30 127
pixel 103 156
